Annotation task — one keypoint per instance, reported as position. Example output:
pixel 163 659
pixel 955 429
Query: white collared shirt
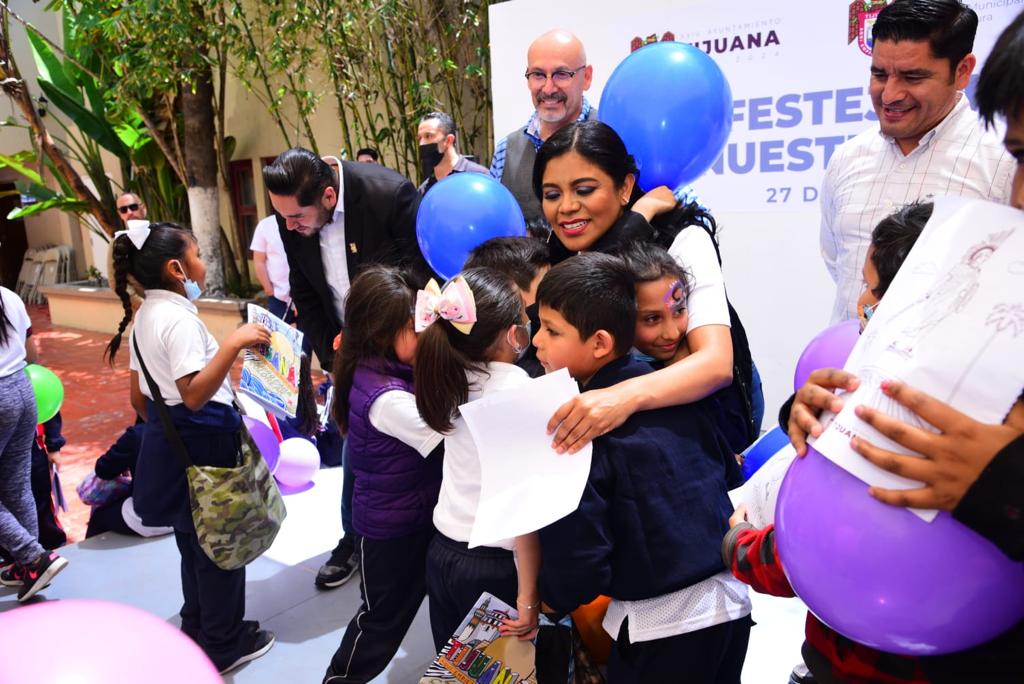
pixel 869 178
pixel 460 478
pixel 266 238
pixel 174 343
pixel 333 252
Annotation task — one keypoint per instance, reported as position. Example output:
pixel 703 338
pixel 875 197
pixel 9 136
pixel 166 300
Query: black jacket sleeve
pixel 576 550
pixel 784 412
pixel 52 433
pixel 994 505
pixel 121 456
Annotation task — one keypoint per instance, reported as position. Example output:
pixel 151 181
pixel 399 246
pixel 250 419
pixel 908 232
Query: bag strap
pixel 171 432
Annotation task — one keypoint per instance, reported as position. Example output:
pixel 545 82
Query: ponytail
pixel 166 241
pixel 121 248
pixel 445 355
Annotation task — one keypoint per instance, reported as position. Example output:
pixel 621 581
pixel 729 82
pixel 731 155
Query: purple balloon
pixel 71 641
pixel 266 442
pixel 829 349
pixel 882 576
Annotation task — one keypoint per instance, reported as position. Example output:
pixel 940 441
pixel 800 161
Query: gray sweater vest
pixel 520 154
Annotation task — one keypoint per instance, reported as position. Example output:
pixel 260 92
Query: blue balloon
pixel 460 212
pixel 672 106
pixel 760 451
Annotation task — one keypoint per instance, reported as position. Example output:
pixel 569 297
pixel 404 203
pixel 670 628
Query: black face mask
pixel 430 156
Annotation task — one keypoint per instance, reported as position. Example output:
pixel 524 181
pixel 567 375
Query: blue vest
pixel 395 488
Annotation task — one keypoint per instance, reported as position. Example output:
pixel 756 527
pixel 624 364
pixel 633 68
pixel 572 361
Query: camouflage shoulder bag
pixel 238 511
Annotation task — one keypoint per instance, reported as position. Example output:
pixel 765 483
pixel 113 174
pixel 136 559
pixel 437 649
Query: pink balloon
pixel 266 442
pixel 884 577
pixel 829 349
pixel 97 642
pixel 298 463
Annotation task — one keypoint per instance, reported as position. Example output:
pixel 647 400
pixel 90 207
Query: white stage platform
pixel 309 623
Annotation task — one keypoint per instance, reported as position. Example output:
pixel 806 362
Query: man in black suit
pixel 326 242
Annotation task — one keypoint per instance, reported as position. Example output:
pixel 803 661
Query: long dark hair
pixel 166 241
pixel 444 355
pixel 379 304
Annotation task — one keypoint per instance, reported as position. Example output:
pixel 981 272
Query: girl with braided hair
pixel 176 353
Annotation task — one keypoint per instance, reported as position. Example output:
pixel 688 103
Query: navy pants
pixel 713 655
pixel 214 599
pixel 393 584
pixel 457 575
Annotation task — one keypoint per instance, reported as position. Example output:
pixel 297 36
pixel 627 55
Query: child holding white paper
pixel 397 472
pixel 475 329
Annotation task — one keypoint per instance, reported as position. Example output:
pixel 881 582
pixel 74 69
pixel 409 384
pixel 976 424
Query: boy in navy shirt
pixel 648 528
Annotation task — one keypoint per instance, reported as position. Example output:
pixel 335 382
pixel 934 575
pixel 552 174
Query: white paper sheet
pixel 525 485
pixel 951 324
pixel 761 492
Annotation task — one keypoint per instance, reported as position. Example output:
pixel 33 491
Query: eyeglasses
pixel 128 207
pixel 559 76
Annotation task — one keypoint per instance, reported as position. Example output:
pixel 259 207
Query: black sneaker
pixel 39 573
pixel 340 567
pixel 801 675
pixel 263 641
pixel 12 575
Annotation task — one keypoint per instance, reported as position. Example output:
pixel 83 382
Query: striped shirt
pixel 869 177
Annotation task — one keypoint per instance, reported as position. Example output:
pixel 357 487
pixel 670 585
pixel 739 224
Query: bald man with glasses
pixel 557 75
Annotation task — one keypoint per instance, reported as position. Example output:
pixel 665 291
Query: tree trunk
pixel 201 175
pixel 15 87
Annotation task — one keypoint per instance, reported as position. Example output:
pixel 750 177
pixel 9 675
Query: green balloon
pixel 49 391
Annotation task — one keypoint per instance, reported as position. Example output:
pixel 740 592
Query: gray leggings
pixel 19 526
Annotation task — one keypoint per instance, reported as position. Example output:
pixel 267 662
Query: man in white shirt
pixel 272 267
pixel 331 223
pixel 929 140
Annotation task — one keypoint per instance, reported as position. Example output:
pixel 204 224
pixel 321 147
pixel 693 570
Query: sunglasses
pixel 128 207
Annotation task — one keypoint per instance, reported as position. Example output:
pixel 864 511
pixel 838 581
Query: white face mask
pixel 192 289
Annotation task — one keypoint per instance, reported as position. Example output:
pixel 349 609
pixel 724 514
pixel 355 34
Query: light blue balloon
pixel 459 213
pixel 672 106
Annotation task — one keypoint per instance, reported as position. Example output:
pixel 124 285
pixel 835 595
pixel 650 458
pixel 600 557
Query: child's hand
pixel 526 626
pixel 657 201
pixel 249 335
pixel 817 395
pixel 738 516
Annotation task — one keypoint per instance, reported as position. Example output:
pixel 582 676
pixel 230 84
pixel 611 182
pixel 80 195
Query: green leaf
pixel 13 163
pixel 63 203
pixel 230 144
pixel 40 192
pixel 50 68
pixel 90 124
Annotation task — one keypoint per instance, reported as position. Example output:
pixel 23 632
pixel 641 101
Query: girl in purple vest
pixel 397 473
pixel 476 329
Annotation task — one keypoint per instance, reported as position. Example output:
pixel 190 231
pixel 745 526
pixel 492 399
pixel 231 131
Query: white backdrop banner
pixel 798 71
pixel 799 74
